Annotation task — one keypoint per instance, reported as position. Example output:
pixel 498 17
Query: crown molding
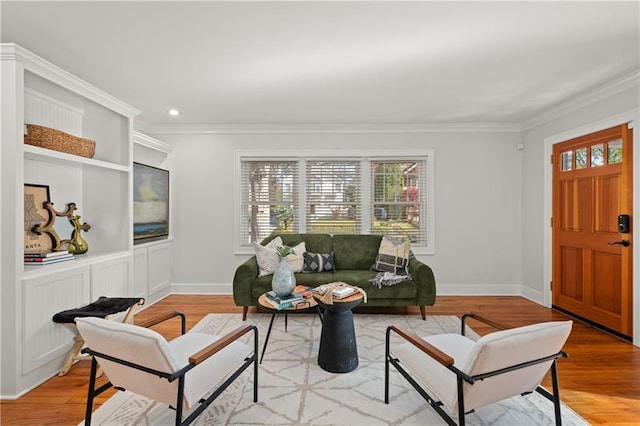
pixel 144 140
pixel 587 98
pixel 49 71
pixel 332 128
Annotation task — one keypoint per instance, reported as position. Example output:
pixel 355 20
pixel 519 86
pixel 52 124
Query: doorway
pixel 592 202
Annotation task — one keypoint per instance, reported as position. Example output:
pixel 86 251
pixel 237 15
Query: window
pixel 398 199
pixel 376 192
pixel 332 197
pixel 269 199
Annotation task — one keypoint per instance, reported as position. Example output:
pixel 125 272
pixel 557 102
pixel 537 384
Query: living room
pixel 345 80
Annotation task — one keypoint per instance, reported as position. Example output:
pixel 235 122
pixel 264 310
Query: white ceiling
pixel 268 63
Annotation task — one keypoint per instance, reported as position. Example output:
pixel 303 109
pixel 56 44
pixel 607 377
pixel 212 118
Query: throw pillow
pixel 267 256
pixel 318 262
pixel 393 256
pixel 296 259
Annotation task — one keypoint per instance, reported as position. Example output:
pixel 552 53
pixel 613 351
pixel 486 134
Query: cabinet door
pixel 112 278
pixel 140 272
pixel 43 296
pixel 160 267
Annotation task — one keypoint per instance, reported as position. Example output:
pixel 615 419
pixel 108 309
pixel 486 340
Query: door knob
pixel 623 243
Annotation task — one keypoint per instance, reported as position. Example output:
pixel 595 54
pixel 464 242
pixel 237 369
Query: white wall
pixel 477 196
pixel 534 160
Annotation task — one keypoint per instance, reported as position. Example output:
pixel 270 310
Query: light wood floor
pixel 600 380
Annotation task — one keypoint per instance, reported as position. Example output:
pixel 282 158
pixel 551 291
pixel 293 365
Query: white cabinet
pixel 44 341
pixel 35 91
pixel 153 267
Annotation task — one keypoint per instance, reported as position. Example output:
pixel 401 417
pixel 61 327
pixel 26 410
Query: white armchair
pixel 461 374
pixel 140 360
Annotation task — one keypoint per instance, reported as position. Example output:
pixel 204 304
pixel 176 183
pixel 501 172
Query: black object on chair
pixel 101 308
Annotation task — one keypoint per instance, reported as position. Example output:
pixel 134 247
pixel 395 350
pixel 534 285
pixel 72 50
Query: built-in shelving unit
pixel 152 260
pixel 35 91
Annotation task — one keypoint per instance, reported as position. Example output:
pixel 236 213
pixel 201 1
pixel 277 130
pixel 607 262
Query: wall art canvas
pixel 150 202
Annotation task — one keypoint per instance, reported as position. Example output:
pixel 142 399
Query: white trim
pixel 531 294
pixel 149 142
pixel 584 99
pixel 49 71
pixel 201 288
pixel 192 129
pixel 303 155
pixel 632 117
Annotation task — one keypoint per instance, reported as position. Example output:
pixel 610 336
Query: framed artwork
pixel 36 214
pixel 150 202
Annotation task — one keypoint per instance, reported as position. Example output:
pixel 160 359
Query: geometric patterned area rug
pixel 294 390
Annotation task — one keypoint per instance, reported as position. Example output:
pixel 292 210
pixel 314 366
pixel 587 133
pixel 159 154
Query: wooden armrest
pixel 216 346
pixel 483 319
pixel 423 345
pixel 162 317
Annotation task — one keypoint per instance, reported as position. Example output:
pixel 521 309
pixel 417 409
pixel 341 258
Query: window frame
pixel 365 157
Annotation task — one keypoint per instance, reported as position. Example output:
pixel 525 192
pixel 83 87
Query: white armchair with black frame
pixel 462 374
pixel 179 373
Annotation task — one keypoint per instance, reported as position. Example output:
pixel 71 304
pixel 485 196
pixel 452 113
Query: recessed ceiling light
pixel 174 112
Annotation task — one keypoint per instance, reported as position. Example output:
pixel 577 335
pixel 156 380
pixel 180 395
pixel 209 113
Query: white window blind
pixel 333 197
pixel 398 199
pixel 269 199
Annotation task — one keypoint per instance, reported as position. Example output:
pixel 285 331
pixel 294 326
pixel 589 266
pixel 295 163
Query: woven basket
pixel 46 137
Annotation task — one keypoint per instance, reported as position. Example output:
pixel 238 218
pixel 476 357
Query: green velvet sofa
pixel 353 257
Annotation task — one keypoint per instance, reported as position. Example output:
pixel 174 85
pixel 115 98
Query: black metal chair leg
pixel 91 394
pixel 461 412
pixel 180 401
pixel 255 366
pixel 386 370
pixel 266 340
pixel 556 393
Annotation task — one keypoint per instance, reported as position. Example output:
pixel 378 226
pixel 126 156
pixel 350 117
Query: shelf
pixel 80 260
pixel 36 153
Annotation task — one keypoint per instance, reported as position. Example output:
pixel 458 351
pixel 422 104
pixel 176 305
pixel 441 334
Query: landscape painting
pixel 150 202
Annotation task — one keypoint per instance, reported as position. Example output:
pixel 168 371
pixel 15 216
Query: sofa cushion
pixel 393 256
pixel 263 284
pixel 355 251
pixel 407 290
pixel 295 259
pixel 318 262
pixel 315 243
pixel 267 256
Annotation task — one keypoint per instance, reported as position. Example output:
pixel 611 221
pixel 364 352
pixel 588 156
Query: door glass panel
pixel 567 160
pixel 581 158
pixel 614 152
pixel 597 155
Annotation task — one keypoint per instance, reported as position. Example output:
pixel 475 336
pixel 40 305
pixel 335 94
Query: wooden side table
pixel 309 304
pixel 338 351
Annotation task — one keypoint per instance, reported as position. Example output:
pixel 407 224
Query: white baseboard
pixel 443 289
pixel 478 290
pixel 201 288
pixel 533 295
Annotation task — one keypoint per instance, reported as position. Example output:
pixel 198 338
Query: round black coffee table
pixel 338 351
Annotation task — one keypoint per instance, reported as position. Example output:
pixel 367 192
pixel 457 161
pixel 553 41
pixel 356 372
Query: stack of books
pixel 299 295
pixel 47 258
pixel 339 291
